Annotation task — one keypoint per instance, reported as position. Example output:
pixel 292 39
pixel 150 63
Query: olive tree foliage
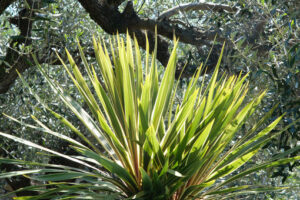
pixel 52 30
pixel 195 24
pixel 262 37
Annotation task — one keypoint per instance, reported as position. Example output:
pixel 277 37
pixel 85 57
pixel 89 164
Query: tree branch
pixel 112 21
pixel 17 61
pixel 187 35
pixel 162 49
pixel 107 15
pixel 196 6
pixel 257 30
pixel 114 3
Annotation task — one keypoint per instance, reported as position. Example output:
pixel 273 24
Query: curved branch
pixel 112 21
pixel 196 6
pixel 187 35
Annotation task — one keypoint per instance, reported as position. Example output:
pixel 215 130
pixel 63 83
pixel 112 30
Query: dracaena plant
pixel 144 145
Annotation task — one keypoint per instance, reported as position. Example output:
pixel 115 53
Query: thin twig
pixel 196 6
